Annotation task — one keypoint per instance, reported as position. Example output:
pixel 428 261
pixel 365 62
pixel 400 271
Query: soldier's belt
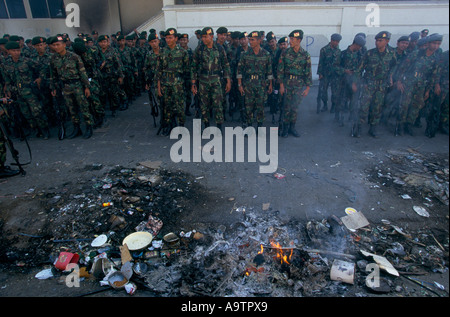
pixel 172 76
pixel 294 77
pixel 70 81
pixel 208 73
pixel 255 77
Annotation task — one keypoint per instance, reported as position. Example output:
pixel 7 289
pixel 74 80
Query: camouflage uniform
pixel 348 99
pixel 256 73
pixel 328 61
pixel 19 79
pixel 111 72
pixel 208 65
pixel 92 59
pixel 294 71
pixel 172 69
pixel 70 71
pixel 438 112
pixel 377 68
pixel 418 74
pixel 130 66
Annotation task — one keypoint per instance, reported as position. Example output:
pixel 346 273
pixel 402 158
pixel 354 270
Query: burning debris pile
pixel 130 229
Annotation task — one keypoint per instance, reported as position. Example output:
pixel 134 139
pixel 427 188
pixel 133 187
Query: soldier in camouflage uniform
pixel 93 59
pixel 349 62
pixel 67 68
pixel 444 95
pixel 209 64
pixel 417 77
pixel 22 79
pixel 112 75
pixel 234 95
pixel 438 92
pixel 5 171
pixel 130 70
pixel 45 94
pixel 150 70
pixel 172 69
pixel 393 95
pixel 222 33
pixel 295 78
pixel 377 65
pixel 183 40
pixel 254 75
pixel 328 61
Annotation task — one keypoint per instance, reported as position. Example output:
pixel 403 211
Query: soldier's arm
pixel 82 72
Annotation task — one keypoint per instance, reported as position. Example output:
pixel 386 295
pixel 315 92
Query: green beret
pixel 94 33
pixel 207 31
pixel 103 38
pixel 403 38
pixel 152 31
pixel 242 35
pixel 235 35
pixel 336 37
pixel 55 39
pixel 222 30
pixel 255 34
pixel 270 36
pixel 12 45
pixel 284 39
pixel 120 37
pixel 130 38
pixel 78 40
pixel 435 37
pixel 298 34
pixel 153 36
pixel 3 41
pixel 14 38
pixel 171 31
pixel 383 35
pixel 183 36
pixel 89 39
pixel 38 40
pixel 79 48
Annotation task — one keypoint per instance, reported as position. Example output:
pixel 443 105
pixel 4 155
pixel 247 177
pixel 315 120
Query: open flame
pixel 281 254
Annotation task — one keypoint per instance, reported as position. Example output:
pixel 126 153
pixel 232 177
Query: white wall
pixel 318 20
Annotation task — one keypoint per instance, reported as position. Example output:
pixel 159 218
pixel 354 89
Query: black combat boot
pixel 6 171
pixel 285 132
pixel 88 133
pixel 76 131
pixel 293 131
pixel 333 108
pixel 398 129
pixel 46 133
pixel 325 106
pixel 373 131
pixel 407 128
pixel 356 130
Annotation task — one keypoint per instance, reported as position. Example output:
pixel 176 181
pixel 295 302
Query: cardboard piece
pixel 125 254
pixel 355 221
pixel 151 164
pixel 382 262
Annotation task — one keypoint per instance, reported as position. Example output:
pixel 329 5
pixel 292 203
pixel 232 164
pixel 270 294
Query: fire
pixel 284 258
pixel 262 250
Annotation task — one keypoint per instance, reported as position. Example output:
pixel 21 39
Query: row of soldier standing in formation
pixel 236 73
pixel 401 84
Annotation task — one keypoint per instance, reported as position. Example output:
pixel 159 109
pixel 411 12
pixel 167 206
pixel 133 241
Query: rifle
pixel 59 117
pixel 154 105
pixel 10 145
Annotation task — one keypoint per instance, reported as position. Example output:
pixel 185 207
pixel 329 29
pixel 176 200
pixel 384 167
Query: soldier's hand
pixel 87 92
pixel 400 86
pixel 54 93
pixel 38 82
pixel 354 87
pixel 228 87
pixel 241 90
pixel 194 89
pixel 147 87
pixel 437 89
pixel 305 92
pixel 120 81
pixel 427 95
pixel 270 90
pixel 282 90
